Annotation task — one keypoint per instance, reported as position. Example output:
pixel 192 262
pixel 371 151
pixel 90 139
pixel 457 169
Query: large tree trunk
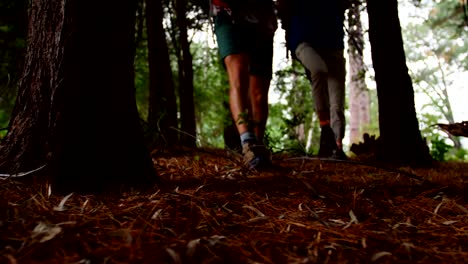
pixel 76 109
pixel 187 106
pixel 400 138
pixel 162 114
pixel 359 104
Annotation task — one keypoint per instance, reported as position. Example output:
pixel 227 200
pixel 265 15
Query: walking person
pixel 244 30
pixel 315 37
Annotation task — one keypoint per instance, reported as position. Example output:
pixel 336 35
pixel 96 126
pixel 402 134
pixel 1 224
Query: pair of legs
pixel 248 95
pixel 247 53
pixel 326 71
pixel 248 101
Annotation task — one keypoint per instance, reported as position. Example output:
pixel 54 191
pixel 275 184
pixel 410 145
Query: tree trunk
pixel 400 138
pixel 76 108
pixel 187 106
pixel 162 114
pixel 359 104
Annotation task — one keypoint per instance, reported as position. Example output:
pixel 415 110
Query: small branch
pixel 4 176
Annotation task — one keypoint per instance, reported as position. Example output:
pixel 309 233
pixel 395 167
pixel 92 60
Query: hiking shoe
pixel 339 155
pixel 256 156
pixel 327 142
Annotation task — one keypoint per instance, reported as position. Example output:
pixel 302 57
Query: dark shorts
pixel 234 38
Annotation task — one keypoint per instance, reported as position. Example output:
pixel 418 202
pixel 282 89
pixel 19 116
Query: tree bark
pixel 162 112
pixel 359 104
pixel 76 110
pixel 400 138
pixel 186 89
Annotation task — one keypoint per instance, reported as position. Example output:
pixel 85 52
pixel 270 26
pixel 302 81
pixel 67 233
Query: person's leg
pixel 261 64
pixel 238 75
pixel 259 87
pixel 256 155
pixel 336 91
pixel 231 38
pixel 261 71
pixel 317 72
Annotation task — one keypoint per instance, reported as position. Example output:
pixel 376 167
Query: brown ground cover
pixel 209 210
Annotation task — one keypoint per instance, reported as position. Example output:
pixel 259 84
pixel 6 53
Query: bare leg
pixel 238 73
pixel 259 87
pixel 248 99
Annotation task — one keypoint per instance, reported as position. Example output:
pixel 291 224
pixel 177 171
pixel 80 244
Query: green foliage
pixel 373 128
pixel 460 154
pixel 439 148
pixel 211 94
pixel 448 15
pixel 291 121
pixel 441 151
pixel 440 145
pixel 243 118
pixel 279 134
pixel 276 128
pixel 142 79
pixel 13 29
pixel 436 52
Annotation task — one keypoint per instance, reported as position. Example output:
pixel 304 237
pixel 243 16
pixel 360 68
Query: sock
pixel 247 137
pixel 324 123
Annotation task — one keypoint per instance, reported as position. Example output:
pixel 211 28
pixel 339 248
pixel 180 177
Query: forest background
pixel 434 34
pixel 75 130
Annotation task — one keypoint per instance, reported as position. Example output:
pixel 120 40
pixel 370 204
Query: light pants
pixel 327 72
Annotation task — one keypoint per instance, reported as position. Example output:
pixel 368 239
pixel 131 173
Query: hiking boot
pixel 327 142
pixel 339 155
pixel 256 156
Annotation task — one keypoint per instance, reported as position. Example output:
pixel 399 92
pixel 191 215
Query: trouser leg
pixel 317 71
pixel 326 71
pixel 336 92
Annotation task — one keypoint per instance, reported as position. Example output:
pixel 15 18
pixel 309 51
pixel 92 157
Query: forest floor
pixel 209 210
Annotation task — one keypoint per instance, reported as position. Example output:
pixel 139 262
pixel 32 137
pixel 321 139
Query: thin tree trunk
pixel 400 138
pixel 359 104
pixel 162 112
pixel 76 108
pixel 187 106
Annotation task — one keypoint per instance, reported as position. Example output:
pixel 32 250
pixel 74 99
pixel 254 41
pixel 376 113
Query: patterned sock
pixel 248 137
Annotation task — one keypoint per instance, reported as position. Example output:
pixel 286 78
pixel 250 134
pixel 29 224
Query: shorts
pixel 235 38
